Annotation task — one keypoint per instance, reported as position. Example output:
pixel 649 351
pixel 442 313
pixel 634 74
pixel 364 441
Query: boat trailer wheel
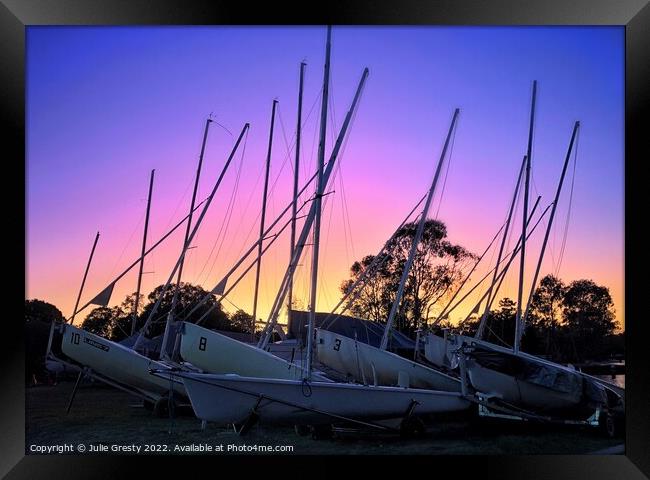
pixel 412 427
pixel 161 407
pixel 608 424
pixel 302 430
pixel 321 432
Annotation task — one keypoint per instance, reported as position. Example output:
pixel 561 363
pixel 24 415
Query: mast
pixel 222 283
pixel 512 254
pixel 170 315
pixel 136 302
pixel 442 314
pixel 306 228
pixel 518 325
pixel 149 250
pixel 318 202
pixel 418 235
pixel 370 269
pixel 262 219
pixel 481 327
pixel 501 276
pixel 576 126
pixel 208 201
pixel 83 281
pixel 296 169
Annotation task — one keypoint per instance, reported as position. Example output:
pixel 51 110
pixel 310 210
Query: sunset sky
pixel 105 105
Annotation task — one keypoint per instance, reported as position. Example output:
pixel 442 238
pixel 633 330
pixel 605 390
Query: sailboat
pixel 524 381
pixel 216 353
pixel 107 361
pixel 232 398
pixel 362 361
pixel 111 362
pixel 116 365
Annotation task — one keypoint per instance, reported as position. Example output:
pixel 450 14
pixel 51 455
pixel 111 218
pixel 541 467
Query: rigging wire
pixel 128 243
pixel 228 216
pixel 444 183
pixel 568 215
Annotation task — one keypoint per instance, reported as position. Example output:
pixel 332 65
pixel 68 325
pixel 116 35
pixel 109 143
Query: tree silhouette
pixel 38 310
pixel 241 321
pixel 188 296
pixel 39 316
pixel 123 318
pixel 546 312
pixel 99 321
pixel 438 265
pixel 589 316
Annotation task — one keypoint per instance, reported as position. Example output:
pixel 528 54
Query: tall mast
pixel 498 280
pixel 518 325
pixel 418 235
pixel 220 286
pixel 83 281
pixel 309 220
pixel 481 327
pixel 576 126
pixel 296 169
pixel 197 177
pixel 318 202
pixel 208 201
pixel 170 315
pixel 136 301
pixel 263 219
pixel 512 254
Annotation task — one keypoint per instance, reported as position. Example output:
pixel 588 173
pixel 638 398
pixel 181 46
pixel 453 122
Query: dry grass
pixel 102 415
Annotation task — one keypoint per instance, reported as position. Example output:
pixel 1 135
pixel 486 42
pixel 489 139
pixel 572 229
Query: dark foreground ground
pixel 104 417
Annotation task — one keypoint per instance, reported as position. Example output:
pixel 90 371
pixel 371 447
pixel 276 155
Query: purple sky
pixel 105 105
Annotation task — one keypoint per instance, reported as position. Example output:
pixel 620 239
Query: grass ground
pixel 104 416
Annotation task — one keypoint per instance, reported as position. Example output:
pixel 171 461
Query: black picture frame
pixel 634 15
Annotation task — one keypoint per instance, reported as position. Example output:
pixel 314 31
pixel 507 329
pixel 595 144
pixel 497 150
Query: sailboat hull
pixel 437 351
pixel 532 383
pixel 370 365
pixel 117 363
pixel 216 353
pixel 519 392
pixel 226 399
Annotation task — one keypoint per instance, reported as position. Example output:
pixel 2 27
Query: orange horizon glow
pixel 106 105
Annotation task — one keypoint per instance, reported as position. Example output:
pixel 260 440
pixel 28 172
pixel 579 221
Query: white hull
pixel 216 353
pixel 117 363
pixel 437 351
pixel 226 399
pixel 370 365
